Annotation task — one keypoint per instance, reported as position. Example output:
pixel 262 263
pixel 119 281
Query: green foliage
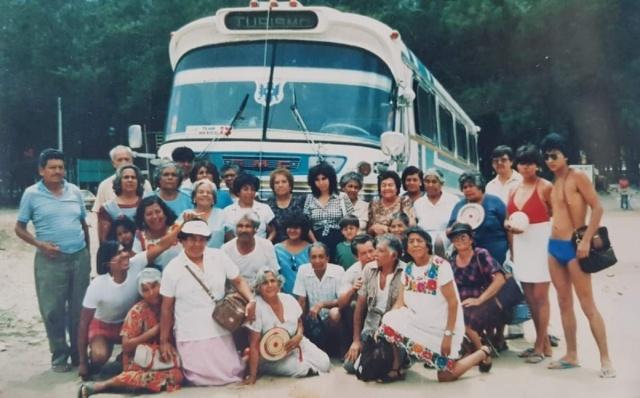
pixel 529 66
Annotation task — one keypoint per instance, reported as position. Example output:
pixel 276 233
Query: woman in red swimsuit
pixel 529 250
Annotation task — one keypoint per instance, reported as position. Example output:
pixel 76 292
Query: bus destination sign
pixel 275 20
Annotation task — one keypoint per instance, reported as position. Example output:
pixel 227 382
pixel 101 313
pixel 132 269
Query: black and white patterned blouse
pixel 326 218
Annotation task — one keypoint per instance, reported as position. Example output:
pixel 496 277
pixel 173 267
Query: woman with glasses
pixel 294 250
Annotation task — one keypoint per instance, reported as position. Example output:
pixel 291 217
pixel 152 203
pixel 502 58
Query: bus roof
pixel 235 25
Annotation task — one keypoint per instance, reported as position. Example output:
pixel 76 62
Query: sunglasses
pixel 552 156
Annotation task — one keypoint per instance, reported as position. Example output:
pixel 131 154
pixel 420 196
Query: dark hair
pixel 107 250
pixel 422 233
pixel 124 222
pixel 169 215
pixel 282 172
pixel 459 229
pixel 528 154
pixel 554 141
pixel 183 154
pixel 211 168
pixel 117 181
pixel 351 176
pixel 349 219
pixel 49 154
pixel 389 174
pixel 502 150
pixel 325 169
pixel 245 179
pixel 359 240
pixel 472 177
pixel 296 220
pixel 161 168
pixel 409 171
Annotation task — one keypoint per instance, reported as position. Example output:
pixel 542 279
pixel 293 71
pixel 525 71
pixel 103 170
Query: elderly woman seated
pixel 141 328
pixel 276 310
pixel 479 278
pixel 426 319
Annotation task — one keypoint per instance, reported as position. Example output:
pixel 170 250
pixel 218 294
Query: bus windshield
pixel 335 89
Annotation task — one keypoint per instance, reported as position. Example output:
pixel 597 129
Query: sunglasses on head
pixel 552 156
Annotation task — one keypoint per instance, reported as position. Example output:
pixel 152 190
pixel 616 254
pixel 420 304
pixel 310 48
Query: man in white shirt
pixel 433 210
pixel 507 179
pixel 317 288
pixel 249 251
pixel 120 155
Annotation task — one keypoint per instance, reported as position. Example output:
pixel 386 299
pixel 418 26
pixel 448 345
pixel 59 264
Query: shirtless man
pixel 571 195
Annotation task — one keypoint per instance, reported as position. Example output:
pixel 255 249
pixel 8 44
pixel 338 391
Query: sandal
pixel 393 375
pixel 85 390
pixel 527 353
pixel 536 357
pixel 485 366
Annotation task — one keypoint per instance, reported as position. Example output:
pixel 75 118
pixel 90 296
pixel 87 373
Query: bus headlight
pixel 364 168
pixel 337 162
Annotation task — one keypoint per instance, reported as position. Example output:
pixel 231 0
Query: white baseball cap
pixel 196 227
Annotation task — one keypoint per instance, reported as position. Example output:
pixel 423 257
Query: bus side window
pixel 473 149
pixel 446 129
pixel 461 141
pixel 426 121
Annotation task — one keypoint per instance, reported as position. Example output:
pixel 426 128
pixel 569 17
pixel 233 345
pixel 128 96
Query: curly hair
pixel 385 175
pixel 325 169
pixel 211 169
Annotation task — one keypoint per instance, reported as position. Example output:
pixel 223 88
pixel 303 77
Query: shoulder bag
pixel 228 312
pixel 601 254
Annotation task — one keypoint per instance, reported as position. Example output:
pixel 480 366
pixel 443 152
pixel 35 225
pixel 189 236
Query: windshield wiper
pixel 302 125
pixel 238 115
pixel 296 112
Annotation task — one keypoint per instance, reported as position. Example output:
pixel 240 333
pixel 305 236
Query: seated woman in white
pixel 280 310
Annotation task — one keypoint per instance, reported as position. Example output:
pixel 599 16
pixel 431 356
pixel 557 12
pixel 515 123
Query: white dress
pixel 298 362
pixel 419 326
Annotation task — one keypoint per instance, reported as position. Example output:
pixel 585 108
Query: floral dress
pixel 419 327
pixel 140 319
pixel 381 214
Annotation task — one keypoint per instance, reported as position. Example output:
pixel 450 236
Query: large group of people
pixel 322 275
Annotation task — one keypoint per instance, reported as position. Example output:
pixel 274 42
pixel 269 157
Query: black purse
pixel 376 359
pixel 601 254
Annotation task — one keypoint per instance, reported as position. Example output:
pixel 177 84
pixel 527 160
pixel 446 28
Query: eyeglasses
pixel 552 156
pixel 503 159
pixel 225 176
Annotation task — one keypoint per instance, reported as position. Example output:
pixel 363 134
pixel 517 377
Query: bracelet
pixel 449 333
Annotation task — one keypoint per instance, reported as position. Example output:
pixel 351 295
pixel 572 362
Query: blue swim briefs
pixel 562 250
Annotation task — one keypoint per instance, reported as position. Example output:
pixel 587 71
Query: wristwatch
pixel 448 333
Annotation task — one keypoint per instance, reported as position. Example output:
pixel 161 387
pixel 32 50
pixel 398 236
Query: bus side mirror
pixel 135 136
pixel 392 143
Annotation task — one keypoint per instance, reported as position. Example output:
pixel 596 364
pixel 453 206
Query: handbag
pixel 148 358
pixel 228 312
pixel 601 254
pixel 375 360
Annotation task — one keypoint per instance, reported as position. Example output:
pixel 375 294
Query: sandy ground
pixel 24 356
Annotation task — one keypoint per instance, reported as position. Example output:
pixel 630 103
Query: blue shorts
pixel 562 250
